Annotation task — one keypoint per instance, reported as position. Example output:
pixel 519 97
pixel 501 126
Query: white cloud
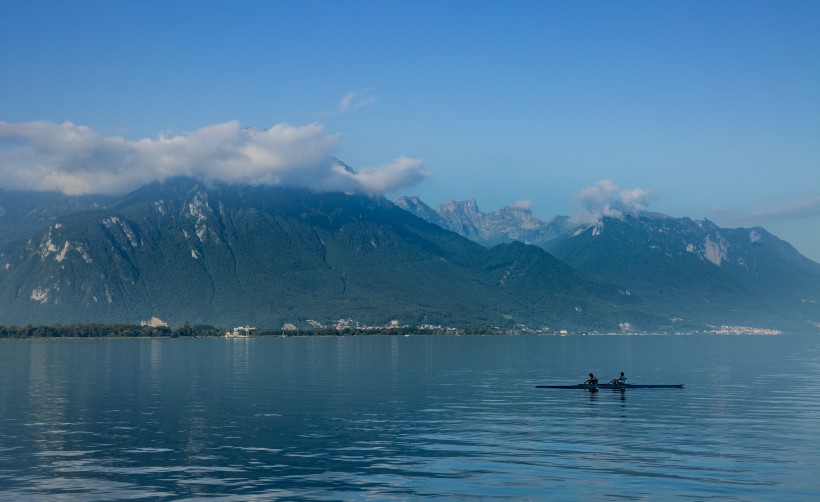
pixel 634 200
pixel 403 171
pixel 754 236
pixel 605 199
pixel 354 100
pixel 77 160
pixel 522 204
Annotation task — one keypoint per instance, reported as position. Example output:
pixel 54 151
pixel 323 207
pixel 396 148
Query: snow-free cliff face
pixel 422 210
pixel 508 224
pixel 21 212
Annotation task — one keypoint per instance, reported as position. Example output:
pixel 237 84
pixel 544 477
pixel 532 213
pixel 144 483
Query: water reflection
pixel 400 418
pixel 47 399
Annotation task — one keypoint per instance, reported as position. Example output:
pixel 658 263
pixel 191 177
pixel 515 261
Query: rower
pixel 621 380
pixel 592 380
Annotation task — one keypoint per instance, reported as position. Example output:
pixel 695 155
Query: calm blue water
pixel 409 417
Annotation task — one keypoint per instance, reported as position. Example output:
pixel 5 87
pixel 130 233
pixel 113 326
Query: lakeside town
pixel 155 327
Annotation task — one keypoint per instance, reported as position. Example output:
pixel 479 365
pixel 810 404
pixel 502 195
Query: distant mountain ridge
pixel 697 270
pixel 508 224
pixel 682 269
pixel 226 255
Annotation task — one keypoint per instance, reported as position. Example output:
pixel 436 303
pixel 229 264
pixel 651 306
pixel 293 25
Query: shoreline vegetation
pixel 208 331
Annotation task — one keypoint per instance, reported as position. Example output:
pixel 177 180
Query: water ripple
pixel 403 418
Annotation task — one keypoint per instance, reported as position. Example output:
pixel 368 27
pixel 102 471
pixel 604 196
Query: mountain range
pixel 682 269
pixel 226 255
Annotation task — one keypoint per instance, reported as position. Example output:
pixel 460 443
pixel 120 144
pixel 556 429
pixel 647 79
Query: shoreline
pixel 84 331
pixel 407 335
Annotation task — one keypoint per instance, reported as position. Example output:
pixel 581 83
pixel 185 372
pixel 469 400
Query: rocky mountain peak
pixel 510 223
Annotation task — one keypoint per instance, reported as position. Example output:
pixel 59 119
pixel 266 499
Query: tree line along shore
pixel 201 331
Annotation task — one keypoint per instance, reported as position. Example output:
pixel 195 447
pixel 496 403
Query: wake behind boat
pixel 640 386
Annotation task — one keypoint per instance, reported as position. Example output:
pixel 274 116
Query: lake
pixel 397 418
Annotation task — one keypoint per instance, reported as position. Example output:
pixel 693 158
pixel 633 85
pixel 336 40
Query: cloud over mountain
pixel 605 199
pixel 795 210
pixel 76 159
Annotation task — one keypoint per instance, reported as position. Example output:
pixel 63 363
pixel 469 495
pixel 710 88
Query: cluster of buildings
pixel 240 332
pixel 350 324
pixel 744 330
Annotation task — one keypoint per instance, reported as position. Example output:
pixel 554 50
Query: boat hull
pixel 578 386
pixel 611 386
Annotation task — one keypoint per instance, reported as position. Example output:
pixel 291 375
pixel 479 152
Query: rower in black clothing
pixel 592 380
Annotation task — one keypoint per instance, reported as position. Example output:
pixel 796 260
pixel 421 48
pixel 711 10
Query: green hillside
pixel 698 272
pixel 267 256
pixel 23 213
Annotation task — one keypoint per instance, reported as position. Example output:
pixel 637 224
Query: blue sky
pixel 711 107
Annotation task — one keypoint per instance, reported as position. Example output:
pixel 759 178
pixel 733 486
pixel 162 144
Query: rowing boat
pixel 585 386
pixel 615 386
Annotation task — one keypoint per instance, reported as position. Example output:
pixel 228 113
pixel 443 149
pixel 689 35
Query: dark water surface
pixel 447 418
